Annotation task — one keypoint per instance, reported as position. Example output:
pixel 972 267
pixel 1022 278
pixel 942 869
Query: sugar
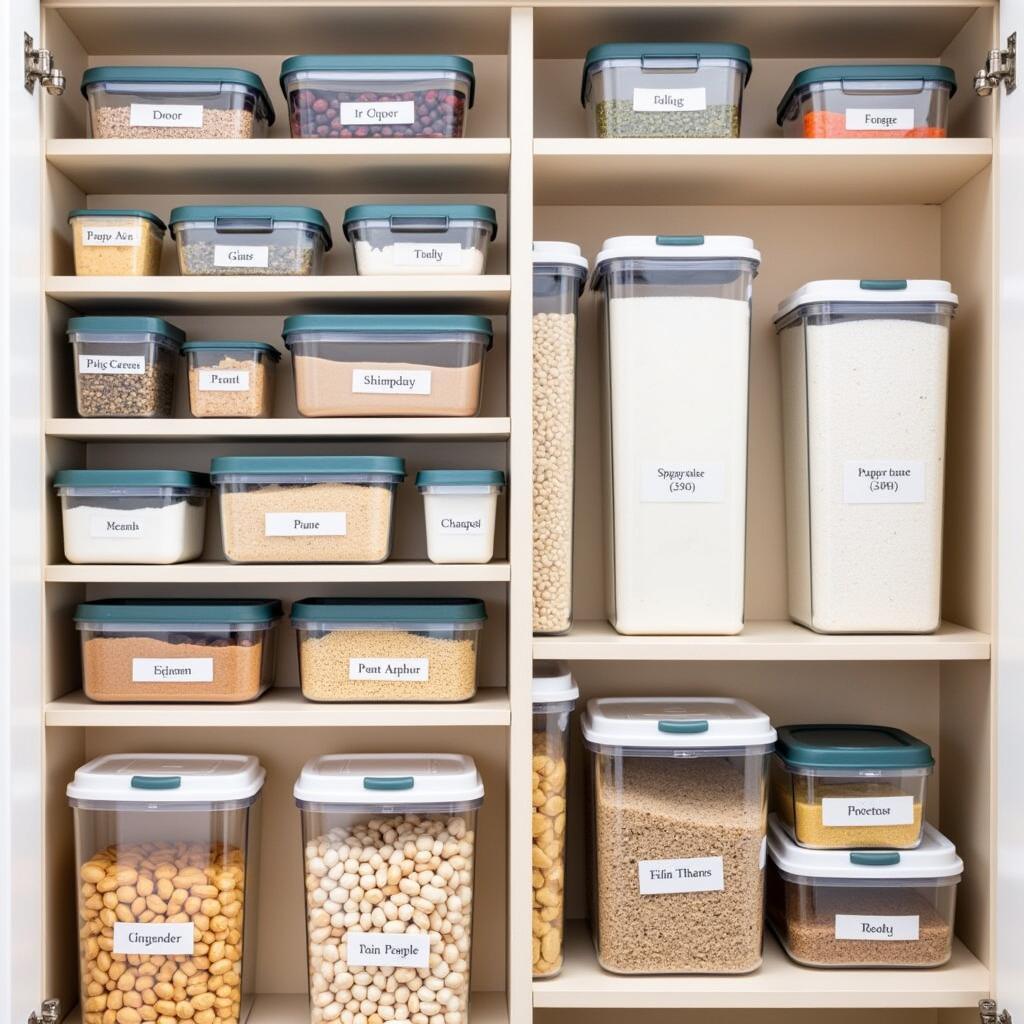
pixel 385 260
pixel 156 535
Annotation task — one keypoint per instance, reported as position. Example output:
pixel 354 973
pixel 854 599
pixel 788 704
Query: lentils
pixel 317 113
pixel 115 123
pixel 616 119
pixel 128 393
pixel 549 773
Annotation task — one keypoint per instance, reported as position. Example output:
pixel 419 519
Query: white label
pixel 878 929
pixel 883 482
pixel 391 382
pixel 683 481
pixel 390 670
pixel 165 115
pixel 241 256
pixel 112 236
pixel 762 857
pixel 155 939
pixel 305 524
pixel 113 524
pixel 364 949
pixel 865 120
pixel 663 100
pixel 452 527
pixel 111 364
pixel 172 670
pixel 867 810
pixel 223 380
pixel 401 112
pixel 435 254
pixel 692 874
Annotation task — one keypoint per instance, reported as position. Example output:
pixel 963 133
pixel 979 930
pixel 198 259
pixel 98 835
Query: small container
pixel 391 365
pixel 554 697
pixel 116 242
pixel 231 378
pixel 863 908
pixel 137 817
pixel 460 507
pixel 173 649
pixel 261 241
pixel 424 238
pixel 366 96
pixel 132 516
pixel 677 792
pixel 176 103
pixel 388 649
pixel 322 508
pixel 124 365
pixel 868 101
pixel 665 90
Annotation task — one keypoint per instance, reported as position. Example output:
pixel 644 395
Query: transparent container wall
pixel 231 382
pixel 676 852
pixel 121 375
pixel 424 245
pixel 460 523
pixel 289 248
pixel 116 246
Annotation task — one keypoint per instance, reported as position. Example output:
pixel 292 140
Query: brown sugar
pixel 256 400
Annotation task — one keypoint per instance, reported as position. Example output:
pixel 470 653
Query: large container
pixel 677 340
pixel 115 242
pixel 408 815
pixel 460 507
pixel 231 378
pixel 559 276
pixel 863 908
pixel 864 425
pixel 677 791
pixel 166 859
pixel 665 90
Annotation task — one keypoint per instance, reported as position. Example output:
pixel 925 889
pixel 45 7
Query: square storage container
pixel 116 242
pixel 231 378
pixel 677 791
pixel 677 339
pixel 324 508
pixel 175 837
pixel 460 507
pixel 176 103
pixel 124 365
pixel 132 516
pixel 384 96
pixel 868 101
pixel 391 365
pixel 851 786
pixel 177 649
pixel 864 426
pixel 863 908
pixel 665 90
pixel 261 241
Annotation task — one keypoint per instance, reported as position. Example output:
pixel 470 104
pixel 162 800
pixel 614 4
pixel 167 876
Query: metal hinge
pixel 49 1013
pixel 1000 66
pixel 39 68
pixel 990 1013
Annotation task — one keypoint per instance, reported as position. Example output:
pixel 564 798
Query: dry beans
pixel 549 774
pixel 197 260
pixel 258 400
pixel 115 123
pixel 617 119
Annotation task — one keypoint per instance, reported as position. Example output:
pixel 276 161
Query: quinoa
pixel 115 123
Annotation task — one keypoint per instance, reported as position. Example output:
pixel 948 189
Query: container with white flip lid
pixel 460 507
pixel 678 800
pixel 864 424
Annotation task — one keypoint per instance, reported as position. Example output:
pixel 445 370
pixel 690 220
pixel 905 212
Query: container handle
pixel 696 725
pixel 243 225
pixel 156 782
pixel 670 62
pixel 883 286
pixel 875 858
pixel 679 239
pixel 388 782
pixel 435 225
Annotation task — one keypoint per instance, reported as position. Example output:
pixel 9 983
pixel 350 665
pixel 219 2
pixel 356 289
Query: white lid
pixel 168 779
pixel 697 247
pixel 652 722
pixel 853 291
pixel 559 252
pixel 935 858
pixel 553 683
pixel 371 780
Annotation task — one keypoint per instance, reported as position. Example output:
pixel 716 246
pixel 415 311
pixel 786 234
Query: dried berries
pixel 330 114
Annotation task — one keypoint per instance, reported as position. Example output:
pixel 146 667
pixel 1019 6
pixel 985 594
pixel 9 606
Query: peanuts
pixel 549 774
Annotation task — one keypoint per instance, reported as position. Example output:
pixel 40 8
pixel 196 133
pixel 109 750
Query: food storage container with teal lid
pixel 460 507
pixel 231 378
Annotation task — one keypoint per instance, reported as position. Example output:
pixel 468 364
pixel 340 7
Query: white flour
pixel 158 535
pixel 429 261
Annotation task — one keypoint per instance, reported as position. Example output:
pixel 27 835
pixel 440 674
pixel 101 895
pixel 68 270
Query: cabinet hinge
pixel 39 67
pixel 989 1012
pixel 1000 66
pixel 49 1013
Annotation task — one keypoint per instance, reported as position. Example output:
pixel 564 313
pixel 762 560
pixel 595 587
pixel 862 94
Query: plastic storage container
pixel 388 649
pixel 132 516
pixel 231 378
pixel 864 425
pixel 254 240
pixel 323 508
pixel 391 365
pixel 345 97
pixel 177 649
pixel 665 90
pixel 868 101
pixel 174 840
pixel 677 791
pixel 124 365
pixel 460 507
pixel 554 697
pixel 176 103
pixel 116 242
pixel 559 276
pixel 677 333
pixel 863 908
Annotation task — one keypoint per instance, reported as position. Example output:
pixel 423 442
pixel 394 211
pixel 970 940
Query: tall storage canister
pixel 677 339
pixel 864 420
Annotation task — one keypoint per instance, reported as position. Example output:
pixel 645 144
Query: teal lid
pixel 395 323
pixel 153 610
pixel 125 325
pixel 460 478
pixel 144 214
pixel 231 346
pixel 129 478
pixel 308 465
pixel 855 747
pixel 413 215
pixel 388 609
pixel 262 219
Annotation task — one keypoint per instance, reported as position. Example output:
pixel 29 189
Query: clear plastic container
pixel 868 101
pixel 176 103
pixel 665 90
pixel 365 96
pixel 166 873
pixel 260 241
pixel 231 378
pixel 391 365
pixel 415 814
pixel 116 242
pixel 307 509
pixel 864 425
pixel 423 238
pixel 384 649
pixel 677 338
pixel 220 650
pixel 132 516
pixel 863 908
pixel 677 791
pixel 460 507
pixel 124 365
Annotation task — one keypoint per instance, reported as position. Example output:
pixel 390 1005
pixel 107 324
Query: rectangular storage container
pixel 231 378
pixel 665 90
pixel 864 426
pixel 460 507
pixel 307 509
pixel 390 365
pixel 677 791
pixel 863 908
pixel 132 516
pixel 174 838
pixel 116 242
